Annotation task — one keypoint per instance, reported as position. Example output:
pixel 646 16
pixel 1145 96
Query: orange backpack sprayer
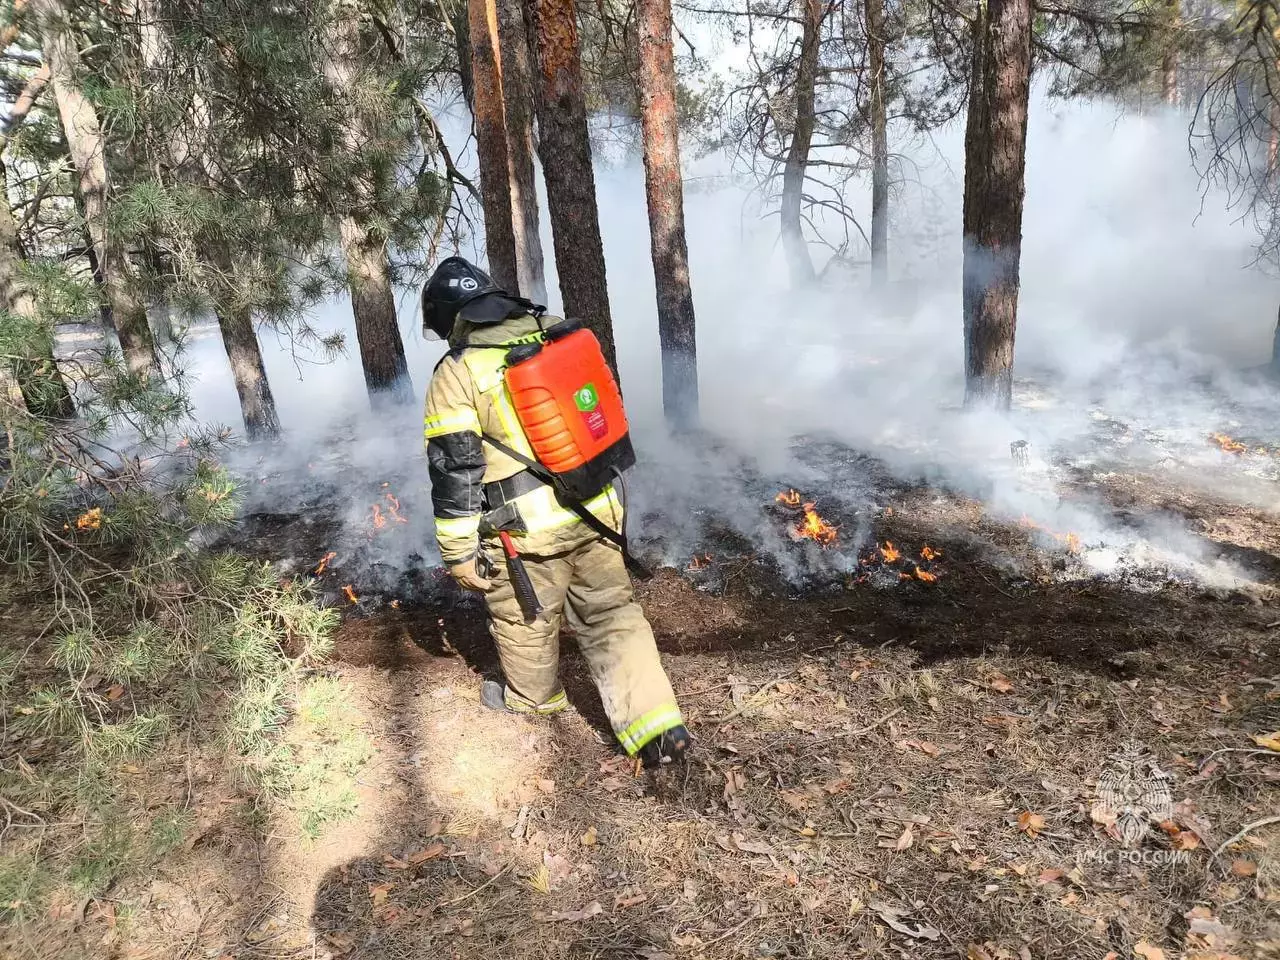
pixel 570 407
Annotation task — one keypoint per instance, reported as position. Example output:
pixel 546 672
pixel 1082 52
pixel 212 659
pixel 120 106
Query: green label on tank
pixel 586 398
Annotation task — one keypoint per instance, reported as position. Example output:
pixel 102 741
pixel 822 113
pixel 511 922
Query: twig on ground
pixel 467 896
pixel 857 733
pixel 734 714
pixel 1244 832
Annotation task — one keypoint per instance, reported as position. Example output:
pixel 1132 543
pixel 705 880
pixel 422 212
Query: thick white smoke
pixel 1138 308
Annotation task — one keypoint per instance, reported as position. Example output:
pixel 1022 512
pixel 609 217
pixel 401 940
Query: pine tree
pixel 664 191
pixel 564 148
pixel 793 174
pixel 994 184
pixel 364 242
pixel 83 131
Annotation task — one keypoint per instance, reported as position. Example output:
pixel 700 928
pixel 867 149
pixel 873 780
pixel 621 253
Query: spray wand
pixel 525 594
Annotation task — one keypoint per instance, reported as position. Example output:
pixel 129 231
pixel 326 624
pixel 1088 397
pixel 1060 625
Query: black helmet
pixel 455 283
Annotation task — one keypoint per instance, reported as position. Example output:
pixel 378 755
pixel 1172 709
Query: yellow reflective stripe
pixel 457 528
pixel 451 421
pixel 510 422
pixel 554 705
pixel 653 724
pixel 541 511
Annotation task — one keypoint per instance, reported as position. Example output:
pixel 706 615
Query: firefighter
pixel 578 574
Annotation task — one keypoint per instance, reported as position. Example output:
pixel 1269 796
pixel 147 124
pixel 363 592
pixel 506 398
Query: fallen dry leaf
pixel 1185 840
pixel 589 838
pixel 1052 875
pixel 977 951
pixel 1270 741
pixel 924 746
pixel 1000 683
pixel 1030 823
pixel 378 892
pixel 592 909
pixel 751 846
pixel 907 838
pixel 1147 951
pixel 892 917
pixel 426 853
pixel 435 827
pixel 115 691
pixel 547 786
pixel 1244 868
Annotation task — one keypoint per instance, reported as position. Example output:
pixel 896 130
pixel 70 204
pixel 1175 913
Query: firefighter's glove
pixel 467 574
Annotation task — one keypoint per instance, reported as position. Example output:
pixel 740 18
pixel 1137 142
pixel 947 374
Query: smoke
pixel 1139 311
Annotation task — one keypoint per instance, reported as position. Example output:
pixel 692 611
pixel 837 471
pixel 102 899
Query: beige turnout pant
pixel 590 587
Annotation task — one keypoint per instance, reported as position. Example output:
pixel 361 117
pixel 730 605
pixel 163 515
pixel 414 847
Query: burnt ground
pixel 885 767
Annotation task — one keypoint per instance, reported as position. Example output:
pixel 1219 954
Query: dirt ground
pixel 885 767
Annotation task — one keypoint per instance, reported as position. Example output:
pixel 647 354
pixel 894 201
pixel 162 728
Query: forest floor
pixel 884 767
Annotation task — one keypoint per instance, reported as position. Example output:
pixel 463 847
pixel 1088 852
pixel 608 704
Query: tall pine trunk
pixel 994 184
pixel 373 303
pixel 664 190
pixel 240 340
pixel 88 153
pixel 879 144
pixel 793 171
pixel 491 143
pixel 517 95
pixel 1169 62
pixel 44 391
pixel 565 151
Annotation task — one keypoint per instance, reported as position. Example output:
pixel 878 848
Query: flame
pixel 394 508
pixel 699 562
pixel 395 604
pixel 1227 444
pixel 789 499
pixel 926 576
pixel 928 553
pixel 90 520
pixel 351 594
pixel 814 527
pixel 380 518
pixel 889 552
pixel 323 565
pixel 1070 539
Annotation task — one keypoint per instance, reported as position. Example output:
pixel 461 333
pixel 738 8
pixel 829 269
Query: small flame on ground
pixel 323 565
pixel 815 528
pixel 395 604
pixel 926 576
pixel 1070 540
pixel 700 561
pixel 1227 444
pixel 889 552
pixel 791 498
pixel 90 520
pixel 392 514
pixel 351 594
pixel 928 553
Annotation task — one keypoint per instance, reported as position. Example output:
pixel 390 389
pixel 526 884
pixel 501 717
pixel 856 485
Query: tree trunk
pixel 257 406
pixel 386 371
pixel 664 190
pixel 88 154
pixel 995 164
pixel 44 391
pixel 1275 346
pixel 373 303
pixel 517 95
pixel 1169 62
pixel 462 47
pixel 879 145
pixel 798 153
pixel 491 144
pixel 565 150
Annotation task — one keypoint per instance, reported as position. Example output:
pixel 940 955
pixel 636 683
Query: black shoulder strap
pixel 577 506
